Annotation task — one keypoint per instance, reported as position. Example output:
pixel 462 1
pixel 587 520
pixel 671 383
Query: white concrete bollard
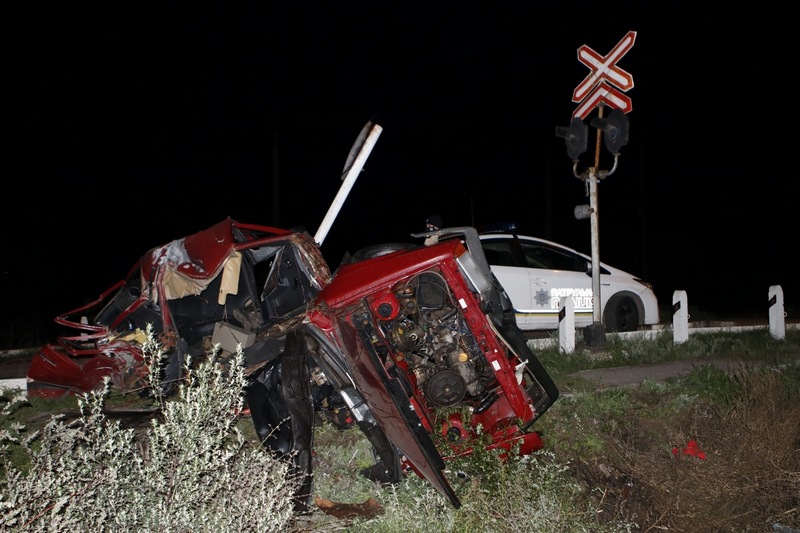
pixel 680 317
pixel 566 325
pixel 777 315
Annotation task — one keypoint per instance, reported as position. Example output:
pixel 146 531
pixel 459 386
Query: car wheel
pixel 377 250
pixel 621 314
pixel 172 372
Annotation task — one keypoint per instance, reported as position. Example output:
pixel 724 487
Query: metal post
pixel 595 223
pixel 349 179
pixel 595 334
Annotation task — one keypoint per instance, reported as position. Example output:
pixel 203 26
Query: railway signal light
pixel 576 137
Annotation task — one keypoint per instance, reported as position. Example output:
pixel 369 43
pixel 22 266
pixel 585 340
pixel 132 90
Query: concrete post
pixel 680 317
pixel 566 325
pixel 777 316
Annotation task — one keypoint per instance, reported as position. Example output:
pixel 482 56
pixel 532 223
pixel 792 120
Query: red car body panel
pixel 363 302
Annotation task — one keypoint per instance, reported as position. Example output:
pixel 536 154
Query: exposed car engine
pixel 437 344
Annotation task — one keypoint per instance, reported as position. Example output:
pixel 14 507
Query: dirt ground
pixel 730 466
pixel 633 375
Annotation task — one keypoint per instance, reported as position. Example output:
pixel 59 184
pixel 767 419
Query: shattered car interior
pixel 417 348
pixel 218 286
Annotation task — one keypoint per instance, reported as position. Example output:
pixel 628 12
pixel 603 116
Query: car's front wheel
pixel 621 314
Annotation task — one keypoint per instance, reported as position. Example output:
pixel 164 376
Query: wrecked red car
pixel 418 347
pixel 401 345
pixel 423 341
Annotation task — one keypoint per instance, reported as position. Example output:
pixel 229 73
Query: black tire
pixel 621 314
pixel 377 250
pixel 172 370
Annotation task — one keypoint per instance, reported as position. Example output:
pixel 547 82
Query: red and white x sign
pixel 606 94
pixel 604 69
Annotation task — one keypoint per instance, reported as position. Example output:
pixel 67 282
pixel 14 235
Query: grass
pixel 608 463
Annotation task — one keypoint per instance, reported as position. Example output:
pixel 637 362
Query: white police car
pixel 537 273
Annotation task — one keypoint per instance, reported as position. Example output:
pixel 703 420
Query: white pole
pixel 349 180
pixel 777 316
pixel 595 220
pixel 680 317
pixel 566 325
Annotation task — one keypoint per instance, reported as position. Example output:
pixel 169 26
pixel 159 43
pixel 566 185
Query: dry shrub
pixel 191 469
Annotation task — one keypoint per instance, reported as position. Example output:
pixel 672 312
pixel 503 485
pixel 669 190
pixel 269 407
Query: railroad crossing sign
pixel 606 85
pixel 606 82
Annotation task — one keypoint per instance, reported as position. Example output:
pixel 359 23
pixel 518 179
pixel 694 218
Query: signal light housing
pixel 576 137
pixel 615 130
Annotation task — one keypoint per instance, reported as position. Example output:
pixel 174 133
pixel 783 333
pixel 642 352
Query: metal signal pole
pixel 605 85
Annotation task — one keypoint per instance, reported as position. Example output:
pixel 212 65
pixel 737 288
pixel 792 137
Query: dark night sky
pixel 132 126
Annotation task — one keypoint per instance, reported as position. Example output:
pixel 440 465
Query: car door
pixel 554 273
pixel 504 258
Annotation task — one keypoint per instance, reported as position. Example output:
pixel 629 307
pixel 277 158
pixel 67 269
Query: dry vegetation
pixel 747 480
pixel 608 464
